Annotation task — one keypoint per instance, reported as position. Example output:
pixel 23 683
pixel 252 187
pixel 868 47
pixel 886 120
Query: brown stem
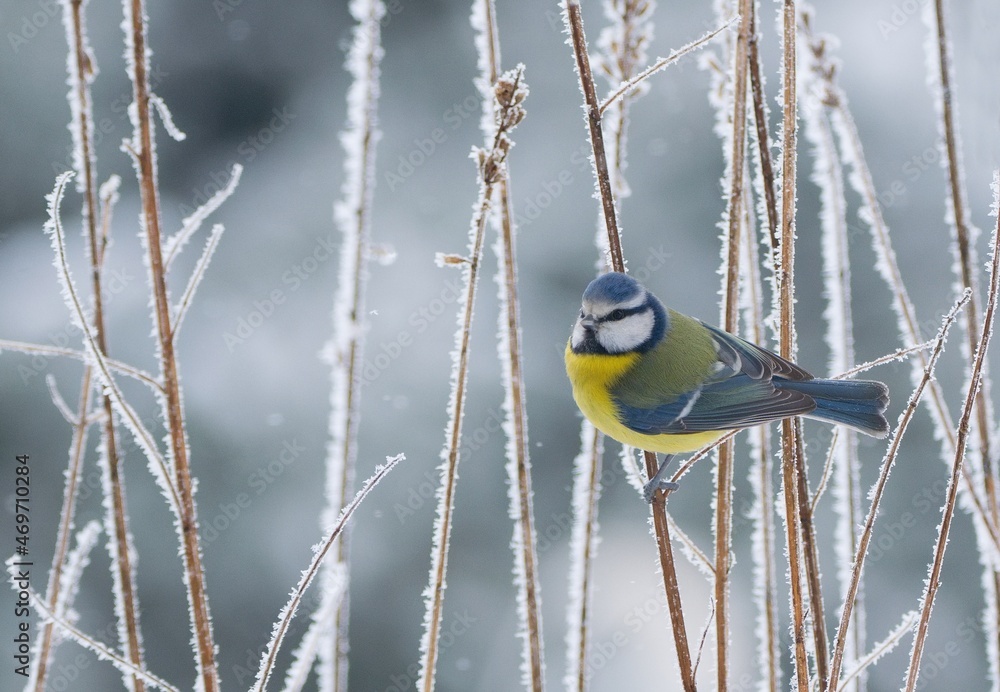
pixel 492 169
pixel 143 145
pixel 810 552
pixel 730 315
pixel 117 522
pixel 766 581
pixel 861 549
pixel 763 140
pixel 593 105
pixel 786 338
pixel 967 270
pixel 579 41
pixel 670 585
pixel 450 471
pixel 518 416
pixel 65 531
pixel 975 381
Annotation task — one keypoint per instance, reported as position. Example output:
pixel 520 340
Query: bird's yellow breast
pixel 592 376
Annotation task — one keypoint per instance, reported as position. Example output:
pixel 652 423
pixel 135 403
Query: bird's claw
pixel 649 490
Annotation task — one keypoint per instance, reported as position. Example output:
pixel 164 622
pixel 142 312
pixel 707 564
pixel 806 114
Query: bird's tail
pixel 859 404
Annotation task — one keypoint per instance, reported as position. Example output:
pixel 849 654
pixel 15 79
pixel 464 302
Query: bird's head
pixel 618 315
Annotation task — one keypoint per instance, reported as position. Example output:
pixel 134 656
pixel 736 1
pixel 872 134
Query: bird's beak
pixel 588 322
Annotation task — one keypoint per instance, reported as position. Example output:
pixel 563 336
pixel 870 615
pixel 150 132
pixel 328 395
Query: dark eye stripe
pixel 622 313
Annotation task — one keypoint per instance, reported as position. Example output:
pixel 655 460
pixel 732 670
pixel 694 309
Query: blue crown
pixel 613 287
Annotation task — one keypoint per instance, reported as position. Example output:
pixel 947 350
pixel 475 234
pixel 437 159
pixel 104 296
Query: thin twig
pixel 632 84
pixel 88 642
pixel 791 463
pixel 320 552
pixel 142 145
pixel 730 318
pixel 509 91
pixel 94 356
pixel 62 352
pixel 353 218
pixel 827 470
pixel 765 580
pixel 967 266
pixel 574 23
pixel 877 492
pixel 880 649
pixel 81 75
pixel 937 564
pixel 583 547
pixel 64 532
pixel 810 552
pixel 670 584
pixel 510 352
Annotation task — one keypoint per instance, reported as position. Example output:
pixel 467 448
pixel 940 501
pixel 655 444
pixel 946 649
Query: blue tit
pixel 658 380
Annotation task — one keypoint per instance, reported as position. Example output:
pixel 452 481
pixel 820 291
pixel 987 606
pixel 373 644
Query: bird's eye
pixel 616 315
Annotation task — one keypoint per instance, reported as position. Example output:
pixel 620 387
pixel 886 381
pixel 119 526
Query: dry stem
pixel 142 145
pixel 511 323
pixel 577 667
pixel 492 169
pixel 730 314
pixel 979 359
pixel 574 22
pixel 876 497
pixel 355 221
pixel 791 463
pixel 81 77
pixel 965 240
pixel 574 19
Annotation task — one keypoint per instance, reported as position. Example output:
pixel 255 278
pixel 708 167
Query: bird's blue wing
pixel 741 356
pixel 738 393
pixel 737 402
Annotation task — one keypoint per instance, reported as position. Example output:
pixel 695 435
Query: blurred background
pixel 263 85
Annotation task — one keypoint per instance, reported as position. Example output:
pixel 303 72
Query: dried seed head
pixel 446 259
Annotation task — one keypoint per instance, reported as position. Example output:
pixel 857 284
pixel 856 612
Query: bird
pixel 653 378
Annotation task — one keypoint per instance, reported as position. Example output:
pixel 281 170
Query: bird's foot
pixel 659 481
pixel 649 490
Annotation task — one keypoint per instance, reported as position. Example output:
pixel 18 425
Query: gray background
pixel 224 78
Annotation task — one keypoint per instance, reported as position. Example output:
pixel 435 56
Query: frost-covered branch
pixel 633 83
pixel 320 551
pixel 731 107
pixel 111 364
pixel 509 92
pixel 941 82
pixel 582 549
pixel 964 428
pixel 853 583
pixel 509 349
pixel 93 353
pixel 792 464
pixel 352 216
pixel 573 21
pixel 143 151
pixel 879 650
pixel 89 642
pixel 82 70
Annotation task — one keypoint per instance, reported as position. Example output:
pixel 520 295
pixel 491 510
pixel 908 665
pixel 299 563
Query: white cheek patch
pixel 626 334
pixel 579 335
